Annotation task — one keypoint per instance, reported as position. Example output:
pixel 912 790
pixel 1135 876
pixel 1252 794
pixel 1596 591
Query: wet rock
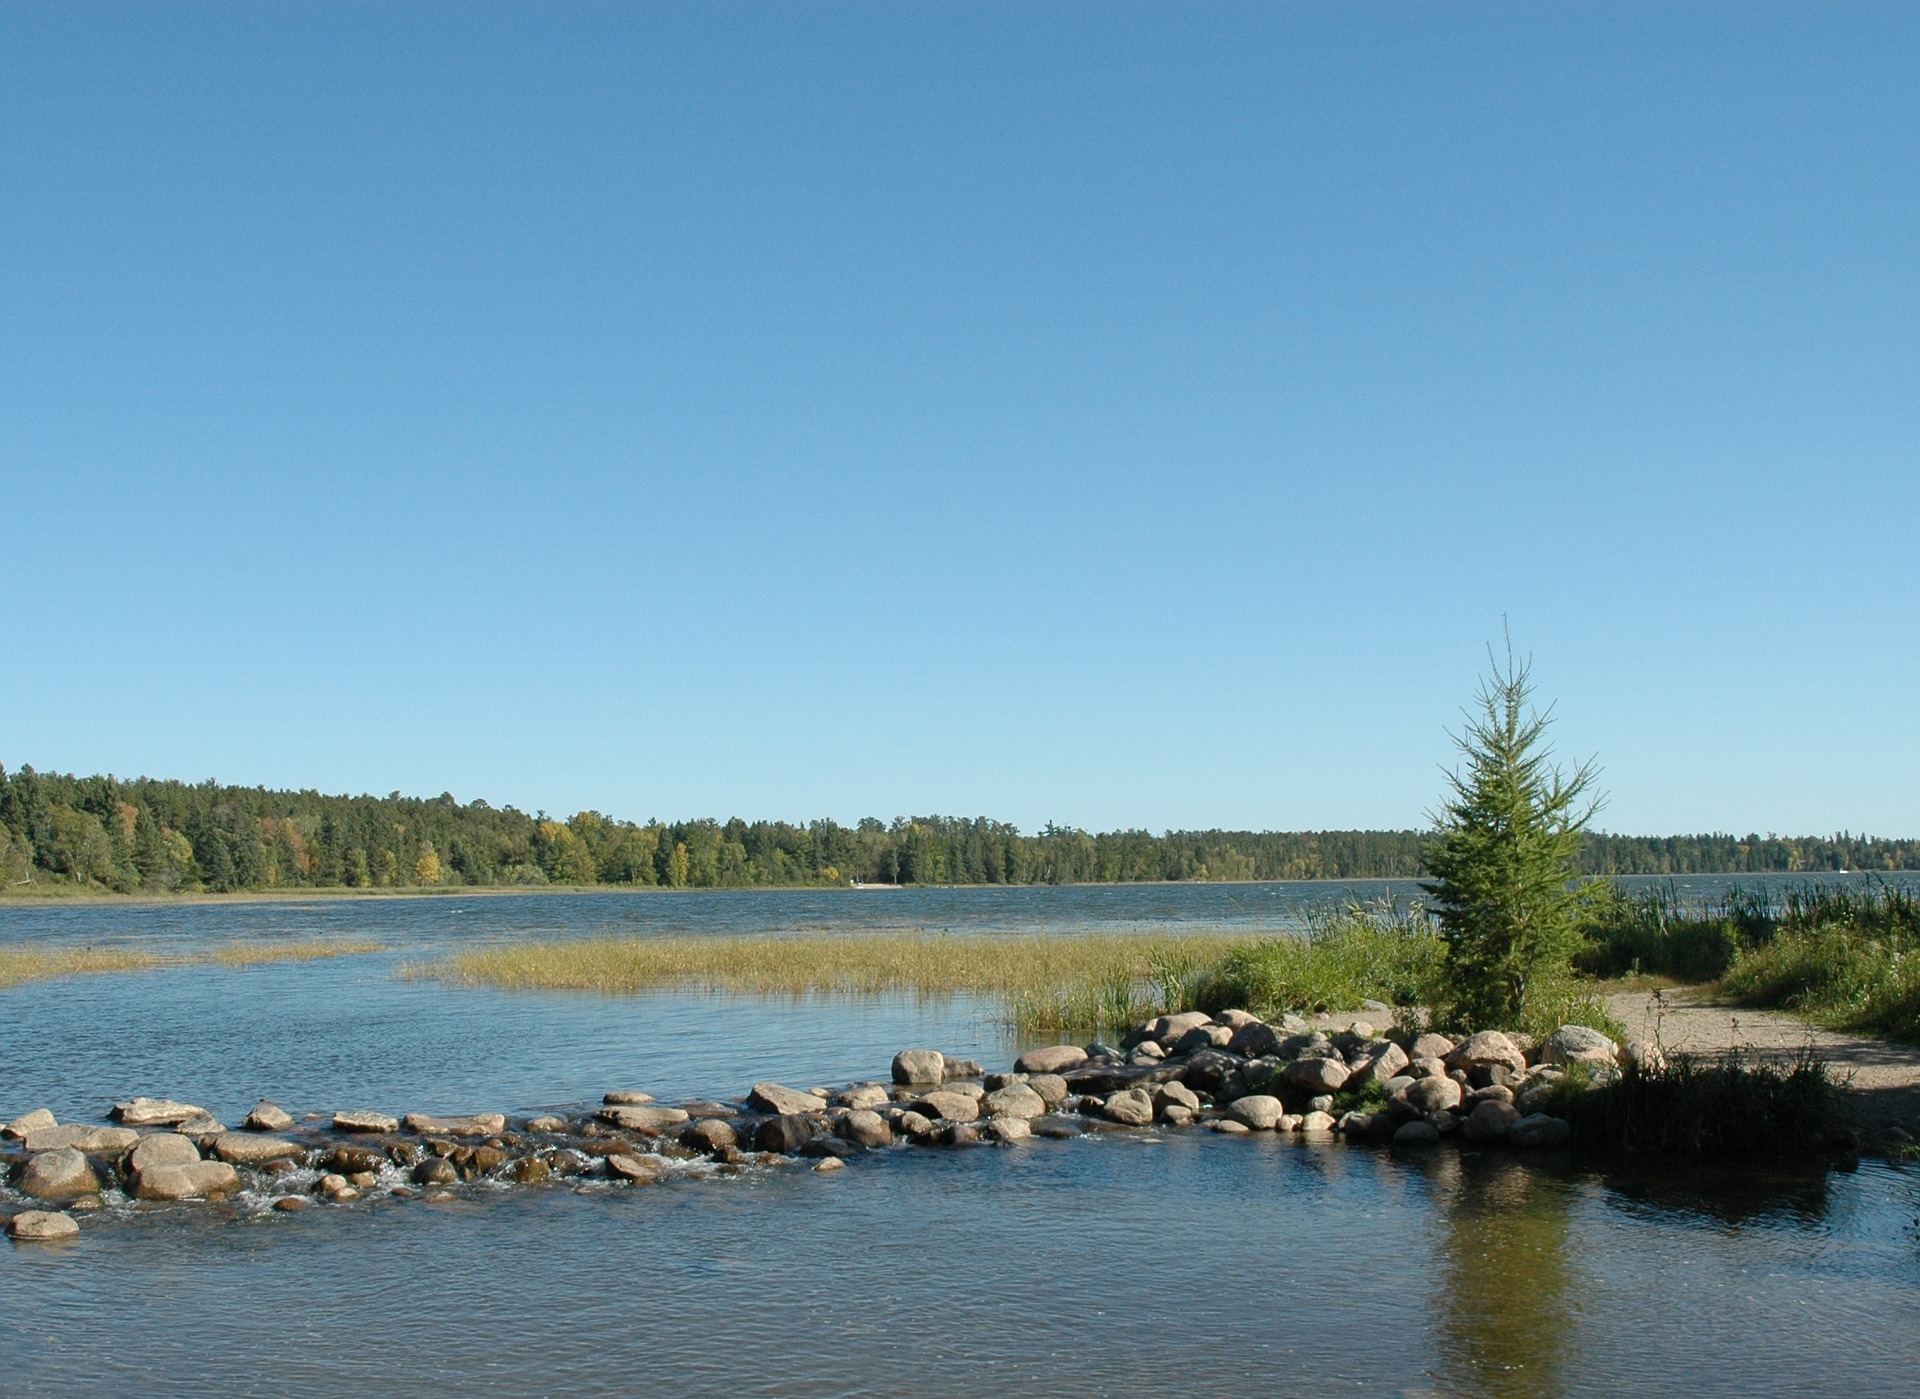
pixel 1055 1125
pixel 247 1149
pixel 37 1120
pixel 406 1153
pixel 292 1204
pixel 57 1175
pixel 267 1117
pixel 347 1160
pixel 98 1141
pixel 479 1124
pixel 1539 1131
pixel 546 1122
pixel 1051 1087
pixel 916 1126
pixel 1316 1123
pixel 710 1135
pixel 1489 1121
pixel 1015 1100
pixel 1416 1133
pixel 641 1170
pixel 771 1097
pixel 1314 1076
pixel 1487 1048
pixel 163 1149
pixel 829 1166
pixel 625 1098
pixel 1258 1111
pixel 193 1180
pixel 705 1109
pixel 485 1160
pixel 364 1180
pixel 960 1134
pixel 784 1134
pixel 1576 1044
pixel 945 1103
pixel 864 1127
pixel 1050 1060
pixel 1130 1107
pixel 364 1122
pixel 528 1170
pixel 1430 1046
pixel 154 1112
pixel 1230 1126
pixel 919 1066
pixel 645 1119
pixel 43 1226
pixel 1167 1096
pixel 1008 1129
pixel 436 1170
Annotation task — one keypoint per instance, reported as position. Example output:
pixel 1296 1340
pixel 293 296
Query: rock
pixel 1492 1093
pixel 1056 1125
pixel 37 1120
pixel 1314 1075
pixel 1257 1111
pixel 1322 1103
pixel 703 1109
pixel 1361 1029
pixel 292 1204
pixel 644 1118
pixel 1430 1046
pixel 1254 1040
pixel 1426 1066
pixel 948 1104
pixel 1576 1044
pixel 919 1066
pixel 267 1117
pixel 1169 1028
pixel 1539 1130
pixel 1290 1123
pixel 959 1134
pixel 1416 1133
pixel 1051 1087
pixel 1148 1052
pixel 625 1098
pixel 1316 1122
pixel 1487 1048
pixel 163 1149
pixel 435 1170
pixel 1131 1107
pixel 771 1097
pixel 57 1175
pixel 966 1090
pixel 641 1170
pixel 864 1127
pixel 351 1160
pixel 1489 1075
pixel 1015 1100
pixel 479 1124
pixel 1642 1054
pixel 193 1180
pixel 1489 1121
pixel 546 1122
pixel 1174 1115
pixel 99 1141
pixel 364 1122
pixel 1428 1095
pixel 203 1127
pixel 529 1170
pixel 482 1160
pixel 1229 1126
pixel 1386 1062
pixel 1208 1071
pixel 915 1125
pixel 784 1135
pixel 1372 1007
pixel 1537 1097
pixel 868 1095
pixel 154 1112
pixel 1008 1129
pixel 1050 1060
pixel 43 1226
pixel 1290 1024
pixel 1201 1037
pixel 829 1166
pixel 964 1068
pixel 1235 1019
pixel 710 1135
pixel 1175 1095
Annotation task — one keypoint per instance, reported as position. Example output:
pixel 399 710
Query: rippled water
pixel 1106 1265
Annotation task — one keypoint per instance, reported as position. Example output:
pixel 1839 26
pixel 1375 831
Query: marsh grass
pixel 1847 958
pixel 1730 1108
pixel 1080 984
pixel 1343 957
pixel 21 963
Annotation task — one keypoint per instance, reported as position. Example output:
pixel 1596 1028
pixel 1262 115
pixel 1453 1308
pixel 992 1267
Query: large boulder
pixel 1051 1087
pixel 951 1105
pixel 1015 1100
pixel 57 1175
pixel 1383 1063
pixel 1487 1049
pixel 196 1180
pixel 1131 1107
pixel 479 1124
pixel 1168 1029
pixel 918 1066
pixel 1576 1044
pixel 154 1112
pixel 1416 1133
pixel 1174 1095
pixel 864 1127
pixel 1539 1130
pixel 1314 1076
pixel 1209 1071
pixel 785 1134
pixel 1430 1046
pixel 1489 1121
pixel 1426 1095
pixel 1009 1129
pixel 772 1097
pixel 1258 1111
pixel 43 1226
pixel 1255 1040
pixel 1051 1059
pixel 710 1136
pixel 644 1117
pixel 38 1119
pixel 641 1170
pixel 163 1149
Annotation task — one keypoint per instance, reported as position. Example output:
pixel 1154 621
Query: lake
pixel 1101 1265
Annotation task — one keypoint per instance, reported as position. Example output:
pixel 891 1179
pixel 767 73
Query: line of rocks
pixel 1232 1073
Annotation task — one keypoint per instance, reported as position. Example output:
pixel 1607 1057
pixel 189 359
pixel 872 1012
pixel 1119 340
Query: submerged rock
pixel 624 1098
pixel 1416 1134
pixel 154 1112
pixel 357 1121
pixel 643 1119
pixel 57 1175
pixel 1539 1130
pixel 479 1124
pixel 546 1122
pixel 43 1226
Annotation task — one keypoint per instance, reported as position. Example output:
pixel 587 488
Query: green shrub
pixel 1343 957
pixel 1707 1109
pixel 1847 957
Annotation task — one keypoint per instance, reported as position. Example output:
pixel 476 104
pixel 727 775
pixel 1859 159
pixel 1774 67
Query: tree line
pixel 148 835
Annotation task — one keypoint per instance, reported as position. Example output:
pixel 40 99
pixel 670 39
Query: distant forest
pixel 154 836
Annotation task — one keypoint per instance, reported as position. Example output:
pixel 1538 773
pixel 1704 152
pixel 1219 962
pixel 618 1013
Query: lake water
pixel 1104 1265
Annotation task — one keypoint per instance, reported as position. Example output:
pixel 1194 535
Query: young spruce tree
pixel 1502 862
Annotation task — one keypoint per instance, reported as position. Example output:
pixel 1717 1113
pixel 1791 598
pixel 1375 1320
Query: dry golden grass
pixel 25 962
pixel 1048 983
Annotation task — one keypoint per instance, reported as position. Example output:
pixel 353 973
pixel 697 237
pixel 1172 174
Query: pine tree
pixel 1502 862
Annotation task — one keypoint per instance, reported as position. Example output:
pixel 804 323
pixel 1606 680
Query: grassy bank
pixel 21 963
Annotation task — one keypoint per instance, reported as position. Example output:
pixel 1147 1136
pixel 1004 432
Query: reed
pixel 247 954
pixel 23 963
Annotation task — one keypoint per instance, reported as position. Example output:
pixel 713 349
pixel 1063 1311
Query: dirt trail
pixel 1882 1079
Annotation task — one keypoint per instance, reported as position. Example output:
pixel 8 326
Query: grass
pixel 24 962
pixel 1712 1109
pixel 1088 983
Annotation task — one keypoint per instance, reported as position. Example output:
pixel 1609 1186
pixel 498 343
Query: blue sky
pixel 1109 414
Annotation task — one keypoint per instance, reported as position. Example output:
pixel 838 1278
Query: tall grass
pixel 1848 958
pixel 1343 957
pixel 1728 1108
pixel 24 962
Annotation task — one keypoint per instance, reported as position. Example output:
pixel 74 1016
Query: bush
pixel 1849 958
pixel 1704 1109
pixel 1344 956
pixel 1651 932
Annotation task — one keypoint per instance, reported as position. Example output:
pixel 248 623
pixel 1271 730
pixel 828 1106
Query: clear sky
pixel 1108 414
